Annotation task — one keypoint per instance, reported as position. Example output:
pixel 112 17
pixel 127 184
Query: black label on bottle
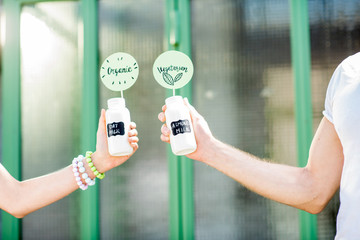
pixel 115 128
pixel 181 126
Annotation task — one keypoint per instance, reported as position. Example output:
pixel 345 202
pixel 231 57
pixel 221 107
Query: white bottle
pixel 117 127
pixel 182 138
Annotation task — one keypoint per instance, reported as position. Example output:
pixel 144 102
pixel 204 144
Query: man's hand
pixel 203 135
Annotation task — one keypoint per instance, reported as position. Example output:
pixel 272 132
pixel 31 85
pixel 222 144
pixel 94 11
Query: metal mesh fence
pixel 243 86
pixel 134 197
pixel 50 97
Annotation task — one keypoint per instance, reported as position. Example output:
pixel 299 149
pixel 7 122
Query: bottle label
pixel 115 128
pixel 181 126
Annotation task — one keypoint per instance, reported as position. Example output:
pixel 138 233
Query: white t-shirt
pixel 342 108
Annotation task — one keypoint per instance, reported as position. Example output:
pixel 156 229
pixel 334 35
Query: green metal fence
pixel 178 37
pixel 301 62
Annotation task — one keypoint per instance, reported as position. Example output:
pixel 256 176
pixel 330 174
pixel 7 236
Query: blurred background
pixel 243 86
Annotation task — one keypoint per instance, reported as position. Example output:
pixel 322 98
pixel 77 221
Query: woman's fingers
pixel 135 146
pixel 133 132
pixel 133 140
pixel 132 125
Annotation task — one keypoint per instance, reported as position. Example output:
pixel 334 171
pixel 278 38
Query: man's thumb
pixel 193 111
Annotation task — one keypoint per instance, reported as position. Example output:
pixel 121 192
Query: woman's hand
pixel 101 157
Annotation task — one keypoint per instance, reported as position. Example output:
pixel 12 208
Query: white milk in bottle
pixel 117 127
pixel 182 138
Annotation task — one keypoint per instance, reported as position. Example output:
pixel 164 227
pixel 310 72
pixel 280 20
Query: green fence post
pixel 187 172
pixel 178 35
pixel 301 62
pixel 11 107
pixel 90 224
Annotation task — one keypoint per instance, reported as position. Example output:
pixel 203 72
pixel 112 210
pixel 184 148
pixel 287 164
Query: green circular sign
pixel 173 69
pixel 119 71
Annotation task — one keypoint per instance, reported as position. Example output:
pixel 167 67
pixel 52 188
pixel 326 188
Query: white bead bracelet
pixel 87 179
pixel 75 163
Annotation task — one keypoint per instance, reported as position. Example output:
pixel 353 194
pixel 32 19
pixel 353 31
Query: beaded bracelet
pixel 84 175
pixel 92 166
pixel 75 162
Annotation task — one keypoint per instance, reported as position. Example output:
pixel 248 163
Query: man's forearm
pixel 285 184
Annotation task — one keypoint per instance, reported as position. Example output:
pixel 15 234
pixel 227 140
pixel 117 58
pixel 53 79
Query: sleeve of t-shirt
pixel 330 93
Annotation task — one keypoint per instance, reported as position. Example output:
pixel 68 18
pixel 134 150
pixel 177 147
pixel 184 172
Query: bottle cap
pixel 116 102
pixel 173 99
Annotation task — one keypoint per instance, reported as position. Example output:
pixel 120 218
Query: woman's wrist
pixel 88 169
pixel 100 162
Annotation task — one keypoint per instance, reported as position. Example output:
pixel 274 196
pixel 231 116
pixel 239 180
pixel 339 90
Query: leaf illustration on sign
pixel 173 69
pixel 168 79
pixel 178 77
